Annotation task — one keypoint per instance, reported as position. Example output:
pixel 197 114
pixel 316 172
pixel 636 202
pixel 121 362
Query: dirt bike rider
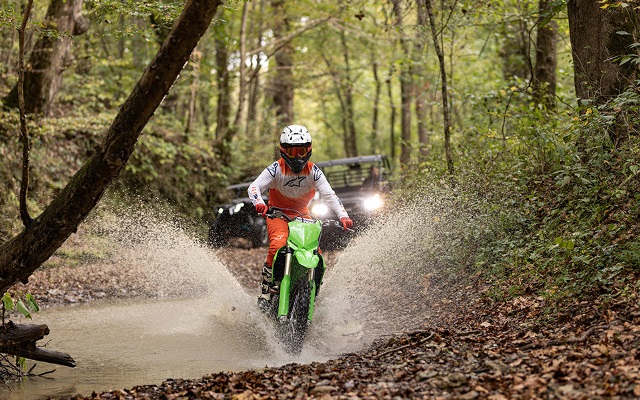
pixel 292 182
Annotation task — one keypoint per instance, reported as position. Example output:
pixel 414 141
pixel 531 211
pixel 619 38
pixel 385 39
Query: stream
pixel 203 321
pixel 118 344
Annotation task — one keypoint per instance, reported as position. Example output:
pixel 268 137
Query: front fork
pixel 285 287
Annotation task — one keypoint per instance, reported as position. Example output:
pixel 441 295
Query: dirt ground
pixel 474 349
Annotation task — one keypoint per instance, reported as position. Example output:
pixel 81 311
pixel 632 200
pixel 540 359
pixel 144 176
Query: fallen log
pixel 10 332
pixel 20 340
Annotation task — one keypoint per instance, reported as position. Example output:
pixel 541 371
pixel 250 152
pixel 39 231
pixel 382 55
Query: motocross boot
pixel 268 288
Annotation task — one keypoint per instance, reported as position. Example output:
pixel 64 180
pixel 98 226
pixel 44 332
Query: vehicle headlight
pixel 372 202
pixel 320 210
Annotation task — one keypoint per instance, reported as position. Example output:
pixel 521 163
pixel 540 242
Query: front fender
pixel 307 258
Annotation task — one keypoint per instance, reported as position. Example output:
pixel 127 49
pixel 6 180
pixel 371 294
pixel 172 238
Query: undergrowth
pixel 577 230
pixel 166 169
pixel 563 197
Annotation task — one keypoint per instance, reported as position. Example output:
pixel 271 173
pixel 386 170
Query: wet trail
pixel 203 321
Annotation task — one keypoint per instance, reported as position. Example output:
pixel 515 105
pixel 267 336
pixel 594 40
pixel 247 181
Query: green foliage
pixel 575 231
pixel 175 169
pixel 9 304
pixel 561 189
pixel 9 15
pixel 108 12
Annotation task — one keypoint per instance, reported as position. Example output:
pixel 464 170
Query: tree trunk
pixel 337 84
pixel 374 145
pixel 50 57
pixel 222 80
pixel 544 72
pixel 252 107
pixel 24 253
pixel 515 48
pixel 595 41
pixel 242 84
pixel 24 133
pixel 406 86
pixel 351 143
pixel 193 90
pixel 283 80
pixel 392 117
pixel 224 132
pixel 420 82
pixel 253 83
pixel 446 112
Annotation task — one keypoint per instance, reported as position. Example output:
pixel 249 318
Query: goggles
pixel 296 152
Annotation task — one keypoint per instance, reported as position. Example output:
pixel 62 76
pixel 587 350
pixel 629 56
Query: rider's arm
pixel 327 193
pixel 262 183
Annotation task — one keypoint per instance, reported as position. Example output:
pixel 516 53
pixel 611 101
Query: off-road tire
pixel 295 328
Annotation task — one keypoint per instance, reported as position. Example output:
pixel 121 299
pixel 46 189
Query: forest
pixel 520 116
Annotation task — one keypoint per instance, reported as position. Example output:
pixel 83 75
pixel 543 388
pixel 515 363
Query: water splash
pixel 402 272
pixel 166 261
pixel 392 277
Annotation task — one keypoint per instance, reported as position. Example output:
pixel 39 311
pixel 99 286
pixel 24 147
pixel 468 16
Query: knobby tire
pixel 296 325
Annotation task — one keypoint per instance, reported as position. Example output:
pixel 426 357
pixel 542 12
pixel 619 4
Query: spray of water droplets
pixel 403 273
pixel 397 275
pixel 160 259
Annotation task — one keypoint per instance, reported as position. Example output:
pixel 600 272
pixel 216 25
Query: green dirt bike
pixel 298 269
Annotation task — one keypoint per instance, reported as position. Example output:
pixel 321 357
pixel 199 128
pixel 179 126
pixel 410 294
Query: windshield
pixel 353 175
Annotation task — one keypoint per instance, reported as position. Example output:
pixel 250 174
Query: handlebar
pixel 275 212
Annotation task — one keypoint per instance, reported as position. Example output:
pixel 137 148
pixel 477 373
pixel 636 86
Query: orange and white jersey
pixel 290 190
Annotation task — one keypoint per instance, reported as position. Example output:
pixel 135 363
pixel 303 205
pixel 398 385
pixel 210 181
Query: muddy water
pixel 204 322
pixel 123 344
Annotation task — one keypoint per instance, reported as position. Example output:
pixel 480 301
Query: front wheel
pixel 294 328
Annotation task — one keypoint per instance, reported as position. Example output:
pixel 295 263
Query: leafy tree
pixel 544 72
pixel 50 56
pixel 600 35
pixel 24 253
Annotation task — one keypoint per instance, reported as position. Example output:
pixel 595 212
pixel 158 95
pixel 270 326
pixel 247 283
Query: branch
pixel 20 340
pixel 277 45
pixel 424 340
pixel 32 352
pixel 24 135
pixel 557 342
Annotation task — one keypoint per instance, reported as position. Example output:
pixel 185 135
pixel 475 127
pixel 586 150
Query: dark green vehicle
pixel 237 218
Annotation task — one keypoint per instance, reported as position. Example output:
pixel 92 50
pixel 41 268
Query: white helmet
pixel 295 147
pixel 295 135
